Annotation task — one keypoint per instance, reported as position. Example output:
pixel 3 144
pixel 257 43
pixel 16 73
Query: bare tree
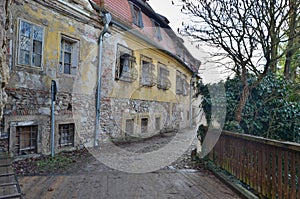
pixel 246 31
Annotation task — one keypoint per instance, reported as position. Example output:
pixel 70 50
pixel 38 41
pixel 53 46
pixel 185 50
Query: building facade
pixel 145 74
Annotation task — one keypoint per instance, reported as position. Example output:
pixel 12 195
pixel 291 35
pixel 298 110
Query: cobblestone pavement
pixel 92 179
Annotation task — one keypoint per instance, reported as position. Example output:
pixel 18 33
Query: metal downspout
pixel 107 19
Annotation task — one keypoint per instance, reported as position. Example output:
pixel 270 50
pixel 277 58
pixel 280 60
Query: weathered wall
pixel 5 20
pixel 29 95
pixel 29 89
pixel 131 100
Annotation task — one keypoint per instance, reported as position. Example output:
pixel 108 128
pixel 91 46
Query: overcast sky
pixel 172 12
pixel 165 8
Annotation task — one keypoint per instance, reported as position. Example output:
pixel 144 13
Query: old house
pixel 118 61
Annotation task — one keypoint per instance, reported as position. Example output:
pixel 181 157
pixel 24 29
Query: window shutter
pixel 153 25
pixel 117 73
pixel 141 24
pixel 75 58
pixel 134 19
pixel 158 33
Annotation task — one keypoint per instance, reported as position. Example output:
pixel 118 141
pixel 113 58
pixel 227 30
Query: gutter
pixel 107 19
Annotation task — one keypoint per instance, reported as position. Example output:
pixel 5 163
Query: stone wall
pixel 4 43
pixel 115 111
pixel 34 105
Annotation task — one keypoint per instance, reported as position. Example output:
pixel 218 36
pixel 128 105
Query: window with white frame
pixel 156 30
pixel 162 81
pixel 136 13
pixel 69 51
pixel 147 74
pixel 30 44
pixel 125 64
pixel 66 134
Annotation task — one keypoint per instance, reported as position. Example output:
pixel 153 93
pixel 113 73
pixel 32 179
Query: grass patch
pixel 57 162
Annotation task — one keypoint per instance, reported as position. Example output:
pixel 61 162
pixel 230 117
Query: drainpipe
pixel 192 82
pixel 53 98
pixel 107 19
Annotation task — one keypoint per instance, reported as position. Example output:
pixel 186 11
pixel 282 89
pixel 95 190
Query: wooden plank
pixel 8 184
pixel 274 171
pixel 6 174
pixel 234 158
pixel 298 161
pixel 260 168
pixel 286 175
pixel 279 186
pixel 264 174
pixel 293 176
pixel 16 195
pixel 268 174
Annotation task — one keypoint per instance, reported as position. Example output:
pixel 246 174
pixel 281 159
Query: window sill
pixel 148 84
pixel 30 69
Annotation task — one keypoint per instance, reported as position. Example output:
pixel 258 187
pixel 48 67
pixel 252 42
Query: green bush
pixel 272 111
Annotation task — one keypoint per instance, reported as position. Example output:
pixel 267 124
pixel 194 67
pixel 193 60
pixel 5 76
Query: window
pixel 148 77
pixel 157 123
pixel 30 46
pixel 129 126
pixel 136 15
pixel 26 139
pixel 156 30
pixel 182 85
pixel 68 61
pixel 144 125
pixel 125 66
pixel 185 85
pixel 179 86
pixel 66 134
pixel 163 74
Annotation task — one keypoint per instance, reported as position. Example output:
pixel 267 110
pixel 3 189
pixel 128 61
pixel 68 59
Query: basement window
pixel 157 123
pixel 144 125
pixel 26 139
pixel 30 45
pixel 66 134
pixel 125 64
pixel 69 51
pixel 129 126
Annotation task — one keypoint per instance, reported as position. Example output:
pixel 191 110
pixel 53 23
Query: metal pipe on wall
pixel 107 19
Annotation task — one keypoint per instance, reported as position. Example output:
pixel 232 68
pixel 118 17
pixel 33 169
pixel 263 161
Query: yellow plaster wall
pixel 55 25
pixel 135 90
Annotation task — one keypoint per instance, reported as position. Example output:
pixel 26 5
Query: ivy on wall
pixel 271 111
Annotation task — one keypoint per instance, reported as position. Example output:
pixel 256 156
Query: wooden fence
pixel 269 167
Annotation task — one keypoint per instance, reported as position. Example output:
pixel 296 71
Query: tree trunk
pixel 244 96
pixel 242 103
pixel 291 49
